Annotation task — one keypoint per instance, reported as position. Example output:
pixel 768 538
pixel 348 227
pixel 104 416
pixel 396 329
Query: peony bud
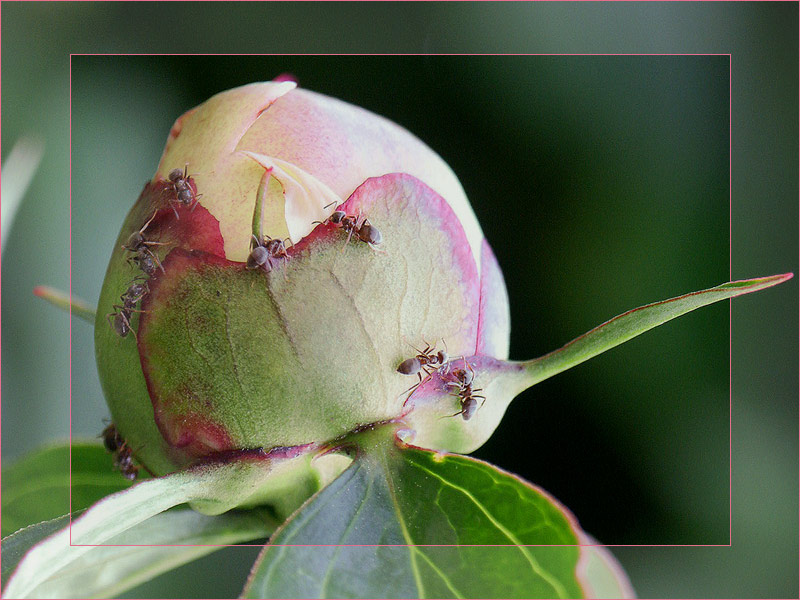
pixel 289 254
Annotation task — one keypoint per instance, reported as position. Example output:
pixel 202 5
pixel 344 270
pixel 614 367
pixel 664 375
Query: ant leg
pixel 164 191
pixel 349 235
pixel 288 239
pixel 451 416
pixel 461 412
pixel 353 228
pixel 155 258
pixel 410 391
pixel 150 220
pixel 141 466
pixel 128 325
pixel 469 366
pixel 175 210
pixel 483 397
pixel 429 370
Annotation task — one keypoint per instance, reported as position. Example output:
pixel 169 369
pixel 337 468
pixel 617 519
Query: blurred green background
pixel 602 183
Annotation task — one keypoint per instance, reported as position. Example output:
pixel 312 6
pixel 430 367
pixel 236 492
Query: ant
pixel 146 261
pixel 143 256
pixel 466 394
pixel 364 230
pixel 369 234
pixel 112 440
pixel 123 457
pixel 424 361
pixel 123 313
pixel 123 461
pixel 184 193
pixel 263 251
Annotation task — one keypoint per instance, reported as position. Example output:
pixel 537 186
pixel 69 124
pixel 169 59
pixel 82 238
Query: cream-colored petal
pixel 207 139
pixel 342 145
pixel 306 198
pixel 321 145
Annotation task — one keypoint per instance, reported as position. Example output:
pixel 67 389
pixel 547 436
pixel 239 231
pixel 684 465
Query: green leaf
pixel 214 487
pixel 17 544
pixel 37 488
pixel 502 537
pixel 105 571
pixel 636 321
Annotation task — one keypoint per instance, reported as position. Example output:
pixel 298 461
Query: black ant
pixel 184 193
pixel 123 461
pixel 146 261
pixel 123 457
pixel 369 234
pixel 263 251
pixel 112 440
pixel 121 323
pixel 363 229
pixel 466 394
pixel 143 256
pixel 424 361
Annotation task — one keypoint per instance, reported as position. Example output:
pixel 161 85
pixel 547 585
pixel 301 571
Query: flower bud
pixel 291 252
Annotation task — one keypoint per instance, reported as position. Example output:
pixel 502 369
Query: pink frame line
pixel 730 337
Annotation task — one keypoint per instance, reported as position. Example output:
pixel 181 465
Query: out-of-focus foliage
pixel 597 173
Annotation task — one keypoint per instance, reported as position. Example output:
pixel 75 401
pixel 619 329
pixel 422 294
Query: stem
pixel 80 308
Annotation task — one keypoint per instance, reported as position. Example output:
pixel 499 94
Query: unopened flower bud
pixel 297 252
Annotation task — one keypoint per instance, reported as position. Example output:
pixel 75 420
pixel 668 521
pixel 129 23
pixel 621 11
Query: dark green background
pixel 601 183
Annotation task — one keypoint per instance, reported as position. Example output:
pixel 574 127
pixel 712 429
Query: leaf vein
pixel 441 575
pixel 344 535
pixel 537 568
pixel 406 534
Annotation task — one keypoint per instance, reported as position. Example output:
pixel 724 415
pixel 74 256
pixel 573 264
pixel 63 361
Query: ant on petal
pixel 262 252
pixel 183 191
pixel 355 224
pixel 143 256
pixel 462 380
pixel 424 361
